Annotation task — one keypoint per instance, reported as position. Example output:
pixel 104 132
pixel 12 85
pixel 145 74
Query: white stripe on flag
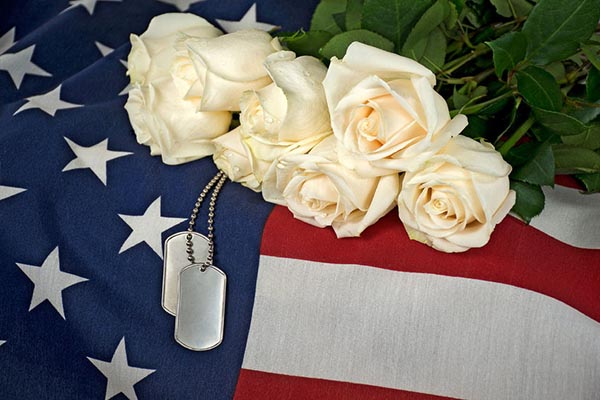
pixel 426 333
pixel 570 217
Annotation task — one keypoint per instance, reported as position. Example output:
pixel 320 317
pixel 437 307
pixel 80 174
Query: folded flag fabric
pixel 331 317
pixel 84 210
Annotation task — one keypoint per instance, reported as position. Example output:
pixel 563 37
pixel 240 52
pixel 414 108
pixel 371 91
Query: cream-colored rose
pixel 456 200
pixel 385 112
pixel 152 53
pixel 320 191
pixel 289 116
pixel 230 64
pixel 232 157
pixel 163 103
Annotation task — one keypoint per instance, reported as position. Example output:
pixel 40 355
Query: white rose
pixel 385 112
pixel 459 196
pixel 170 125
pixel 152 52
pixel 320 191
pixel 289 116
pixel 231 156
pixel 163 104
pixel 230 64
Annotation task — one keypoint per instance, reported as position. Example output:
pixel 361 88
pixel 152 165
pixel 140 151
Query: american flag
pixel 84 210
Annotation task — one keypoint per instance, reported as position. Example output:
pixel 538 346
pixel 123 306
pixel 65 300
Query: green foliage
pixel 590 181
pixel 563 124
pixel 512 8
pixel 337 46
pixel 590 139
pixel 530 200
pixel 572 159
pixel 525 72
pixel 592 86
pixel 353 16
pixel 539 88
pixel 426 42
pixel 509 50
pixel 555 28
pixel 539 168
pixel 308 43
pixel 322 19
pixel 393 19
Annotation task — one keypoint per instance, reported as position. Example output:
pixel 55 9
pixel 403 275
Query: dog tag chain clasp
pixel 195 290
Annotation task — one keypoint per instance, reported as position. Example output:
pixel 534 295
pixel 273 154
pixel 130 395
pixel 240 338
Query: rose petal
pixel 300 79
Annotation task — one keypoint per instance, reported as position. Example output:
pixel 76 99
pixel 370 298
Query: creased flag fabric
pixel 84 210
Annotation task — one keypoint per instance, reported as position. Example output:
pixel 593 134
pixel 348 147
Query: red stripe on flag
pixel 517 255
pixel 254 385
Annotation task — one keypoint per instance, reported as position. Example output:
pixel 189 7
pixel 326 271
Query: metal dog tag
pixel 176 260
pixel 200 315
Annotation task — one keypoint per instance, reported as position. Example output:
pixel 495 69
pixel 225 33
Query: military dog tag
pixel 200 317
pixel 175 260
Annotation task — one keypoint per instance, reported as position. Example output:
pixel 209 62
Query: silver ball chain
pixel 217 182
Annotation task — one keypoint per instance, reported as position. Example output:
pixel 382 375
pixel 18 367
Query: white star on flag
pixel 148 228
pixel 126 89
pixel 93 157
pixel 7 40
pixel 119 375
pixel 182 5
pixel 49 282
pixel 8 191
pixel 248 21
pixel 48 102
pixel 2 342
pixel 89 5
pixel 19 64
pixel 104 49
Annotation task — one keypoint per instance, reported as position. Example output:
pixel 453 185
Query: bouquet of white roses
pixel 368 110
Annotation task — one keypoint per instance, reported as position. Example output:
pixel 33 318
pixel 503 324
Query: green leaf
pixel 508 50
pixel 307 43
pixel 539 169
pixel 393 19
pixel 512 8
pixel 590 139
pixel 477 128
pixel 340 20
pixel 590 181
pixel 339 43
pixel 557 70
pixel 519 155
pixel 555 28
pixel 354 14
pixel 571 160
pixel 322 19
pixel 592 85
pixel 591 55
pixel 563 124
pixel 431 51
pixel 539 88
pixel 530 200
pixel 544 134
pixel 452 18
pixel 434 16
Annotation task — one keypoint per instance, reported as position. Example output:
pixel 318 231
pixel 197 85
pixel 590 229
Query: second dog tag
pixel 200 315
